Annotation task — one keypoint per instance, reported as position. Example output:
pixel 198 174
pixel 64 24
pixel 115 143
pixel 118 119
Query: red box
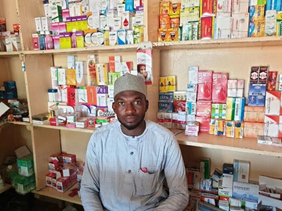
pixel 204 124
pixel 204 85
pixel 65 158
pixel 207 27
pixel 219 87
pixel 179 105
pixel 71 96
pixel 204 108
pixel 49 177
pixel 92 95
pixel 207 8
pixel 271 80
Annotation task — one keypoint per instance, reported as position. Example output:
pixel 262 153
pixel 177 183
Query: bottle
pixel 48 41
pixel 2 185
pixel 42 41
pixel 73 39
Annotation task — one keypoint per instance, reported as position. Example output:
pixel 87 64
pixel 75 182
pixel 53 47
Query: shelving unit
pixel 7 187
pixel 235 56
pixel 246 145
pixel 50 192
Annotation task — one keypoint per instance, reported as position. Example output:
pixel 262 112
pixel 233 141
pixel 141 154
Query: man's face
pixel 130 107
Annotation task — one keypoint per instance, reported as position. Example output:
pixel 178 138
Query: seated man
pixel 128 162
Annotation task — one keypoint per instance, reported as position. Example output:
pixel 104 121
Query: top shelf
pixel 220 43
pixel 196 44
pixel 245 145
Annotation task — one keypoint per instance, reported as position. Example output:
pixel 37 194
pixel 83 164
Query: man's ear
pixel 147 105
pixel 113 106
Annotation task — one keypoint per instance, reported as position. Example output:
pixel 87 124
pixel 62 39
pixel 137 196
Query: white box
pixel 246 191
pixel 240 26
pixel 272 103
pixel 223 28
pixel 113 38
pixel 81 73
pixel 38 24
pixel 240 7
pixel 46 24
pixel 223 8
pixel 241 171
pixel 227 180
pixel 61 74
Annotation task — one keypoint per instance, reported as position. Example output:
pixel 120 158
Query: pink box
pixel 219 88
pixel 204 124
pixel 55 28
pixel 35 40
pixel 204 108
pixel 205 85
pixel 65 14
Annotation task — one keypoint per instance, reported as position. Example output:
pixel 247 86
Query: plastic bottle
pixel 49 41
pixel 73 39
pixel 2 185
pixel 42 41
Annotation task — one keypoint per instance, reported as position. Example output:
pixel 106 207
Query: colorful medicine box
pixel 219 87
pixel 166 107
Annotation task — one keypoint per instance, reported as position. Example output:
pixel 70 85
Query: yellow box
pixel 65 40
pixel 171 80
pixel 102 74
pixel 164 7
pixel 174 10
pixel 171 88
pixel 106 38
pixel 212 125
pixel 71 77
pixel 256 28
pixel 163 35
pixel 172 34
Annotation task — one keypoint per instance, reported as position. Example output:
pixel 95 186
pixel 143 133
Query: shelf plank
pixel 50 192
pixel 14 53
pixel 220 43
pixel 84 130
pixel 21 123
pixel 246 145
pixel 87 50
pixel 7 187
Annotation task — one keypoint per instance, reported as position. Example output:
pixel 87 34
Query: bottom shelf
pixel 7 187
pixel 52 193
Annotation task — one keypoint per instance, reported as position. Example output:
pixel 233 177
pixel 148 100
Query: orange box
pixel 254 114
pixel 174 10
pixel 172 34
pixel 252 130
pixel 163 35
pixel 164 22
pixel 174 22
pixel 164 7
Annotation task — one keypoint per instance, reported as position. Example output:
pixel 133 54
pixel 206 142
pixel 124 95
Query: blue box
pixel 129 5
pixel 165 107
pixel 166 97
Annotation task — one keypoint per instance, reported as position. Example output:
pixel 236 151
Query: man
pixel 127 162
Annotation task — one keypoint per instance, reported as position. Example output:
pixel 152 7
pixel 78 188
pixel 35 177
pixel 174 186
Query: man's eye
pixel 121 103
pixel 137 102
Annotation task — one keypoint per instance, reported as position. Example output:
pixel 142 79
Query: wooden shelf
pixel 14 53
pixel 84 130
pixel 7 187
pixel 220 43
pixel 246 145
pixel 98 49
pixel 50 192
pixel 21 123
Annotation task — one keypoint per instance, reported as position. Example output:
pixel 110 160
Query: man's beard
pixel 133 126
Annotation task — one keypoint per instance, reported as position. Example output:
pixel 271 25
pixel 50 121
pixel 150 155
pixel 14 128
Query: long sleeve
pixel 90 186
pixel 176 179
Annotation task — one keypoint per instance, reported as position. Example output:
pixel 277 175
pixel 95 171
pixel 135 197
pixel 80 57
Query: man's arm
pixel 175 175
pixel 90 184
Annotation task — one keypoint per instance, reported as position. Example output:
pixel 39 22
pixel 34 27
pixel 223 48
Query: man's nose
pixel 129 108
